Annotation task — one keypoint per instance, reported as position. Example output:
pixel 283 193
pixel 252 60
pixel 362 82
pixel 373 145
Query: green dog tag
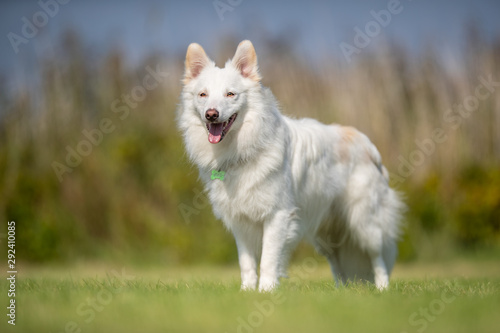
pixel 218 175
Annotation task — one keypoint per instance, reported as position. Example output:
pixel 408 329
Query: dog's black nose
pixel 212 114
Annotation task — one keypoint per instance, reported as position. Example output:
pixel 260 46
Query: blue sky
pixel 316 27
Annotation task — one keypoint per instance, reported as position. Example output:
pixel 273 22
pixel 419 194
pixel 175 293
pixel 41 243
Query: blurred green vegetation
pixel 136 195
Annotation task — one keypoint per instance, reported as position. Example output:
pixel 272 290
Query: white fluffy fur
pixel 287 180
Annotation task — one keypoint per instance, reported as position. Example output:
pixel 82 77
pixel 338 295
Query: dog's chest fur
pixel 249 192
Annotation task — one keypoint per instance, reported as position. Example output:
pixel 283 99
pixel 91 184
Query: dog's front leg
pixel 281 235
pixel 249 242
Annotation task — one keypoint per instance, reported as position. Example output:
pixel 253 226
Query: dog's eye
pixel 230 94
pixel 203 94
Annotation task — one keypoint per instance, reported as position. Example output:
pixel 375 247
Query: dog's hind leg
pixel 381 274
pixel 373 214
pixel 382 245
pixel 371 241
pixel 326 244
pixel 335 269
pixel 353 263
pixel 380 271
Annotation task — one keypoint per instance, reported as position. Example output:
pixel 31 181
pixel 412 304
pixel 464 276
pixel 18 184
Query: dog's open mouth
pixel 217 131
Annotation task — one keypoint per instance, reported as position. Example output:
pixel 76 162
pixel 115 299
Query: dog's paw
pixel 267 284
pixel 382 282
pixel 248 287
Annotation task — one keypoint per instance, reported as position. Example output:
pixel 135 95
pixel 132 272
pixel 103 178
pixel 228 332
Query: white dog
pixel 274 180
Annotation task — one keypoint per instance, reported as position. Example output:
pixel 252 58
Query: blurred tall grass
pixel 125 199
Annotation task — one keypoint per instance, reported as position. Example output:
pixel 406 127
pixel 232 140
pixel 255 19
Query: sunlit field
pixel 107 298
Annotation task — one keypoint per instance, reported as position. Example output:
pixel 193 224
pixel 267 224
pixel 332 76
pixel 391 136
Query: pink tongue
pixel 215 132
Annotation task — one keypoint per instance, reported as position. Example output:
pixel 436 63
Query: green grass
pixel 94 298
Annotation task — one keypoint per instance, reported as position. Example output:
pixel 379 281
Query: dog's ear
pixel 196 60
pixel 245 60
